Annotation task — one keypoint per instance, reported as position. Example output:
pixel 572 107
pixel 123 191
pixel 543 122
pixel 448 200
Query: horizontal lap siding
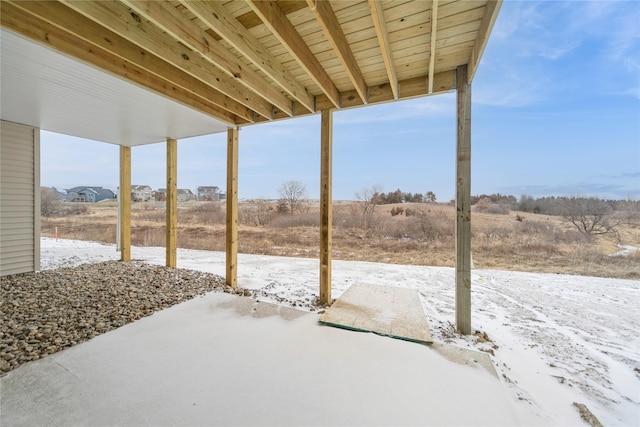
pixel 19 199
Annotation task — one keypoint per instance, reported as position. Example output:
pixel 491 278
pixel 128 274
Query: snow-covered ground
pixel 625 250
pixel 554 339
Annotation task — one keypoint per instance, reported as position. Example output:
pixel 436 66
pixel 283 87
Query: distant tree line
pixel 497 198
pixel 398 196
pixel 552 205
pixel 591 216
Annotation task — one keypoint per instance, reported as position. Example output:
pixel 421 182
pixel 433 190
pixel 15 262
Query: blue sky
pixel 556 111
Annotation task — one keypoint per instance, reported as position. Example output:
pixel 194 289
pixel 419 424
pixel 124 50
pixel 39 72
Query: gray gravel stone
pixel 45 312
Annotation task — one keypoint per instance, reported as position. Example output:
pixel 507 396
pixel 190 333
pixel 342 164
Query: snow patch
pixel 626 250
pixel 554 339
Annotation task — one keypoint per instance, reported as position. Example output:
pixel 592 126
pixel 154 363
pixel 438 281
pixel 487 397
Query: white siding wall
pixel 19 198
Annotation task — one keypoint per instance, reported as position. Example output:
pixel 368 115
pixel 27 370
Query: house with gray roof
pixel 89 194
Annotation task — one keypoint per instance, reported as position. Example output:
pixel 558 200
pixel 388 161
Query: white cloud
pixel 509 85
pixel 539 49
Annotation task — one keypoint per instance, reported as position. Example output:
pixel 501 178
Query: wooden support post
pixel 232 208
pixel 463 202
pixel 124 203
pixel 172 202
pixel 326 142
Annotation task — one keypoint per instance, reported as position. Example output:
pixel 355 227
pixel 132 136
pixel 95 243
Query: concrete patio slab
pixel 227 360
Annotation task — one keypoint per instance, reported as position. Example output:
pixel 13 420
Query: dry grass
pixel 539 243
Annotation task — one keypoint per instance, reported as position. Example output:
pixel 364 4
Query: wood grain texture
pixel 335 34
pixel 124 203
pixel 172 203
pixel 463 202
pixel 256 61
pixel 275 19
pixel 191 35
pixel 118 18
pixel 220 21
pixel 377 14
pixel 231 248
pixel 72 34
pixel 326 209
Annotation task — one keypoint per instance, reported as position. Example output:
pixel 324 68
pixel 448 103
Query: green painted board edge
pixel 351 328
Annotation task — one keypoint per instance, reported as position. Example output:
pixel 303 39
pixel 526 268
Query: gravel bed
pixel 45 312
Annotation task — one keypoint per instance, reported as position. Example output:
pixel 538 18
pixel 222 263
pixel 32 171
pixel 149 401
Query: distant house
pixel 89 194
pixel 208 193
pixel 141 193
pixel 160 195
pixel 184 195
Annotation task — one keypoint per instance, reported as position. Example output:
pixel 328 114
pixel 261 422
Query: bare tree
pixel 49 202
pixel 293 196
pixel 367 202
pixel 592 216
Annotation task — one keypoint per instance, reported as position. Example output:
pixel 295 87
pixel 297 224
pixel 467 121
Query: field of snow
pixel 554 339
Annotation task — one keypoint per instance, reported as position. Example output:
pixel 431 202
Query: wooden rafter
pixel 187 32
pixel 434 37
pixel 203 55
pixel 333 32
pixel 383 39
pixel 118 18
pixel 16 18
pixel 275 19
pixel 486 25
pixel 443 82
pixel 215 16
pixel 250 19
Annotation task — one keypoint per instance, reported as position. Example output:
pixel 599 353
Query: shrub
pixel 151 215
pixel 75 209
pixel 256 213
pixel 482 205
pixel 398 211
pixel 206 213
pixel 498 209
pixel 300 220
pixel 49 203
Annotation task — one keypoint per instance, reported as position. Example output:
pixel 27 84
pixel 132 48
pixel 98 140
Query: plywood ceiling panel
pixel 211 65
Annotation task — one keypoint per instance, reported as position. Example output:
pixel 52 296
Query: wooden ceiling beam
pixel 434 37
pixel 444 82
pixel 486 25
pixel 14 17
pixel 216 17
pixel 187 32
pixel 383 40
pixel 118 18
pixel 333 32
pixel 250 19
pixel 275 19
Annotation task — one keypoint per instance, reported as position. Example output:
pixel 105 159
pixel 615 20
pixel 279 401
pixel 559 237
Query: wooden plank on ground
pixel 384 310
